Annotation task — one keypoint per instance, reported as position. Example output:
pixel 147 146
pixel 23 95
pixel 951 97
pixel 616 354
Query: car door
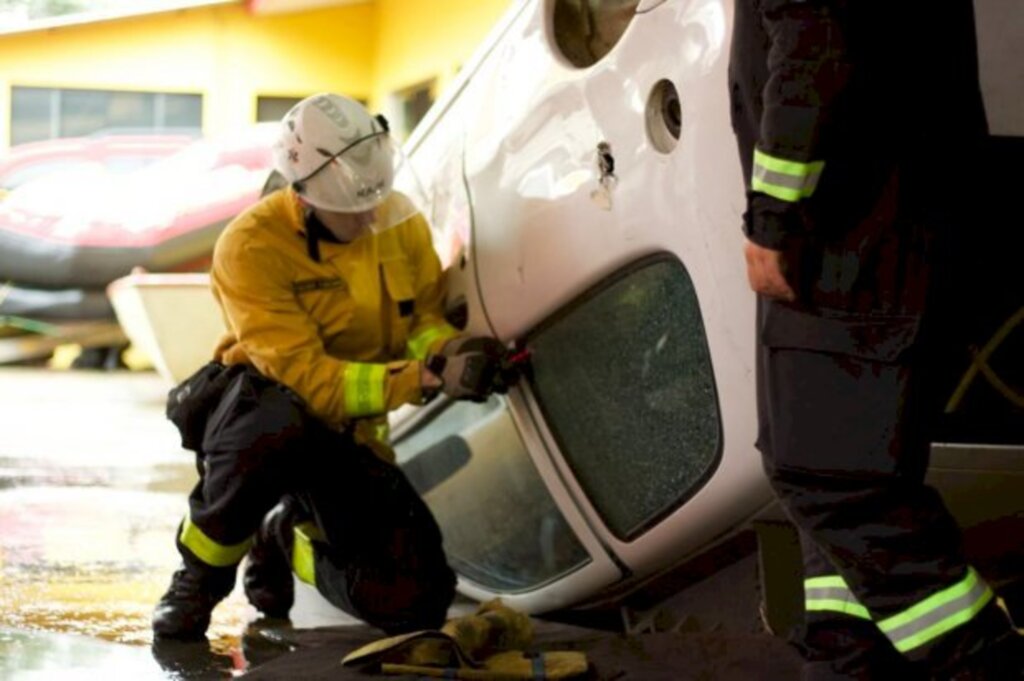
pixel 603 201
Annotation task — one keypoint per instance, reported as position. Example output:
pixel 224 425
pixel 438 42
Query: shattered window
pixel 624 380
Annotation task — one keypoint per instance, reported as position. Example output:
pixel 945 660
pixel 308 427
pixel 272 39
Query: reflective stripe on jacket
pixel 338 332
pixel 830 98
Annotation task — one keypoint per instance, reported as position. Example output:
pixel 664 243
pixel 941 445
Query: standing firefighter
pixel 857 121
pixel 333 296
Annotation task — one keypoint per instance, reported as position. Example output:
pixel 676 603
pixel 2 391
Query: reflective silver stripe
pixel 785 180
pixel 830 594
pixel 937 614
pixel 802 186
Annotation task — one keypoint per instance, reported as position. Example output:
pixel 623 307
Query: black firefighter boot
pixel 268 581
pixel 184 611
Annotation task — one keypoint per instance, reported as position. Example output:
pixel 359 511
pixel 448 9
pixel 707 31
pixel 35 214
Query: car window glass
pixel 624 380
pixel 501 527
pixel 587 30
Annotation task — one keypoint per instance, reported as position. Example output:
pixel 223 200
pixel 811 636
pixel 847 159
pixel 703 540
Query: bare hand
pixel 765 269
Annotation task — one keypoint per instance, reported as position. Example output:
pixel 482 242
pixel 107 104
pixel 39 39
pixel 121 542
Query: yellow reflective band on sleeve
pixel 937 614
pixel 831 594
pixel 364 389
pixel 418 346
pixel 785 180
pixel 303 563
pixel 209 551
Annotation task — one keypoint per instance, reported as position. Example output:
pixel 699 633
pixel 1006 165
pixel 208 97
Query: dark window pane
pixel 31 114
pixel 182 111
pixel 274 108
pixel 415 106
pixel 625 382
pixel 501 527
pixel 131 111
pixel 84 112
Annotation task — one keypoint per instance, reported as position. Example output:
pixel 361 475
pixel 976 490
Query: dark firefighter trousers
pixel 842 404
pixel 378 555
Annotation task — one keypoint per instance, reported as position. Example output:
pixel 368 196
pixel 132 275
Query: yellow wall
pixel 422 40
pixel 220 52
pixel 367 50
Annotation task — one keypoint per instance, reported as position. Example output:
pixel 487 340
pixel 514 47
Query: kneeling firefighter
pixel 332 295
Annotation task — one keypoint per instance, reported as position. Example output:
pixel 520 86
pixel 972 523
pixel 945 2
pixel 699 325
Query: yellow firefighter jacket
pixel 343 333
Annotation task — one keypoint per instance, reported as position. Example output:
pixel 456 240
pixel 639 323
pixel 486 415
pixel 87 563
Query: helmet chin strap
pixel 319 227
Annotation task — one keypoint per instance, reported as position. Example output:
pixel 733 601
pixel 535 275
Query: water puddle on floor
pixel 93 484
pixel 92 561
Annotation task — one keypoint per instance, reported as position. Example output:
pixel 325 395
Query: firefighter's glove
pixel 506 373
pixel 486 344
pixel 490 645
pixel 466 376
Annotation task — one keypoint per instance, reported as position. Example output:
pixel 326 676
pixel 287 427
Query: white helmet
pixel 335 155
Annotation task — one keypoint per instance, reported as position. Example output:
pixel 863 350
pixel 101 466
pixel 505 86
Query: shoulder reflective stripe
pixel 302 554
pixel 831 594
pixel 418 346
pixel 209 551
pixel 785 180
pixel 364 388
pixel 938 613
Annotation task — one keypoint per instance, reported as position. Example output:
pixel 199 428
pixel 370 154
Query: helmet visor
pixel 354 179
pixel 407 197
pixel 371 176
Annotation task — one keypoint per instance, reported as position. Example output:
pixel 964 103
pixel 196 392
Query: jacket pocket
pixel 189 404
pixel 837 397
pixel 399 283
pixel 255 417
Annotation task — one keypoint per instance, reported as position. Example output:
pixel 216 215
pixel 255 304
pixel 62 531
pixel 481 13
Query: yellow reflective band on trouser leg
pixel 418 346
pixel 364 389
pixel 785 180
pixel 934 616
pixel 209 551
pixel 303 563
pixel 831 594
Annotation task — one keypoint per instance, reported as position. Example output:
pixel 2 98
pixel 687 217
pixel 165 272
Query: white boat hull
pixel 171 318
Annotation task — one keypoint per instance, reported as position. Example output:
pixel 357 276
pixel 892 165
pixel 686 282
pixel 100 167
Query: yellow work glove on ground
pixel 489 644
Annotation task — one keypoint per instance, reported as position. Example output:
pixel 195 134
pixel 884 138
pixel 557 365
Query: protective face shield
pixel 340 159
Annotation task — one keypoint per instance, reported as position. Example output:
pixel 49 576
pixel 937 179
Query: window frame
pixel 592 576
pixel 556 445
pixel 54 122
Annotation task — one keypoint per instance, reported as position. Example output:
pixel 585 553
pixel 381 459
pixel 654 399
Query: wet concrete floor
pixel 93 483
